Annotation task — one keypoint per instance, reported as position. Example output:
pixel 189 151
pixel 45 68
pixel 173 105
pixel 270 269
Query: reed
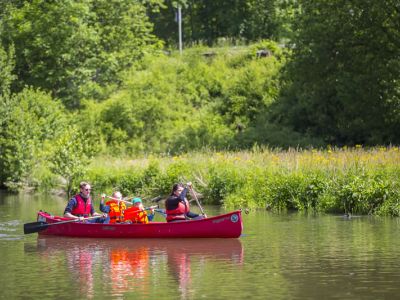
pixel 335 180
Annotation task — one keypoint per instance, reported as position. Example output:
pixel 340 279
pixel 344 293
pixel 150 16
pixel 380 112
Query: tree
pixel 7 64
pixel 69 157
pixel 30 121
pixel 343 77
pixel 75 48
pixel 207 21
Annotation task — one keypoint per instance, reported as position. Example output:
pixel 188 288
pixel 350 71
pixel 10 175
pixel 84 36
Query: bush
pixel 31 121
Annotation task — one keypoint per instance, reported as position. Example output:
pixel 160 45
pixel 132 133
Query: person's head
pixel 117 195
pixel 137 202
pixel 85 189
pixel 177 189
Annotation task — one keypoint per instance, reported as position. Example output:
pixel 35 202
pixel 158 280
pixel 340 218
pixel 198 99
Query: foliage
pixel 354 181
pixel 30 121
pixel 222 182
pixel 6 68
pixel 74 49
pixel 332 80
pixel 342 79
pixel 69 157
pixel 209 22
pixel 178 104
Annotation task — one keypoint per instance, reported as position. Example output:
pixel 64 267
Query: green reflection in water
pixel 288 256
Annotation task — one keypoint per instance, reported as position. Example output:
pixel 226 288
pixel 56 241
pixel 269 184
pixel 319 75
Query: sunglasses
pixel 87 190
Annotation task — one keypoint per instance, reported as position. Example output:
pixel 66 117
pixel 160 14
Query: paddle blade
pixel 35 227
pixel 157 199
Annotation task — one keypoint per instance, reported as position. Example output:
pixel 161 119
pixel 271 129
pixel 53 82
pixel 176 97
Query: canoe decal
pixel 234 218
pixel 220 220
pixel 109 228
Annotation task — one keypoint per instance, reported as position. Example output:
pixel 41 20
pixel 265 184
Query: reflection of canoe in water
pixel 135 265
pixel 223 226
pixel 214 248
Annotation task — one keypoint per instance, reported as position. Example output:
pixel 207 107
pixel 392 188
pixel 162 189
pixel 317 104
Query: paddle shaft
pixel 112 198
pixel 197 200
pixel 128 202
pixel 39 226
pixel 161 212
pixel 73 220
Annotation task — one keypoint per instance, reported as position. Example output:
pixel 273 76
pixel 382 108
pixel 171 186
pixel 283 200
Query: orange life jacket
pixel 135 215
pixel 116 211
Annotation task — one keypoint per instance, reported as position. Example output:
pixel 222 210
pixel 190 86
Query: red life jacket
pixel 135 215
pixel 178 213
pixel 82 209
pixel 116 211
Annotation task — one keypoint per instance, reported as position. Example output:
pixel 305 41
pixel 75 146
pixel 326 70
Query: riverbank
pixel 356 180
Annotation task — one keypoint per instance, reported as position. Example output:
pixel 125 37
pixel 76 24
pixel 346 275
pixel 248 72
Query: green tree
pixel 69 157
pixel 207 21
pixel 75 48
pixel 6 68
pixel 343 77
pixel 30 121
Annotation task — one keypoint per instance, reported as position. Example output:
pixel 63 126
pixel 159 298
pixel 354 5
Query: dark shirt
pixel 73 203
pixel 173 201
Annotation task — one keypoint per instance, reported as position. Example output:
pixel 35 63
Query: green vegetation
pixel 81 80
pixel 75 49
pixel 356 181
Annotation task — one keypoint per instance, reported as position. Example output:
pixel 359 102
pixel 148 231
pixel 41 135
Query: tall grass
pixel 339 180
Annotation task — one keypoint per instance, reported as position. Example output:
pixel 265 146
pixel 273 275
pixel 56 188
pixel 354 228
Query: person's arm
pixel 150 216
pixel 182 196
pixel 192 215
pixel 104 208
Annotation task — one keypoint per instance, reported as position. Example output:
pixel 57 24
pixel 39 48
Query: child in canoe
pixel 137 213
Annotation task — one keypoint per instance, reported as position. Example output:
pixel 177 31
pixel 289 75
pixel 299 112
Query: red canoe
pixel 223 226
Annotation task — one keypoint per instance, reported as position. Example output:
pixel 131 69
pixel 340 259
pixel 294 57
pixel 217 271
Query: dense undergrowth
pixel 355 181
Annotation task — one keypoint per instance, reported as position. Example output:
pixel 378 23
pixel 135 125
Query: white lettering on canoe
pixel 110 228
pixel 220 220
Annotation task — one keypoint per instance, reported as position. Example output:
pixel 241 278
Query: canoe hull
pixel 223 226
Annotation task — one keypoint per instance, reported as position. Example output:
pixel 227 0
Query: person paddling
pixel 137 213
pixel 177 206
pixel 114 208
pixel 81 206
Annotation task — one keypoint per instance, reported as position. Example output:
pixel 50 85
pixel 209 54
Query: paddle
pixel 129 202
pixel 112 198
pixel 161 212
pixel 39 226
pixel 156 199
pixel 197 200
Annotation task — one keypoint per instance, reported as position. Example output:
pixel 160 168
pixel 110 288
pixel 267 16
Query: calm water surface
pixel 279 256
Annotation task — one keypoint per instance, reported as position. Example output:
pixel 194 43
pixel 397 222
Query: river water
pixel 279 256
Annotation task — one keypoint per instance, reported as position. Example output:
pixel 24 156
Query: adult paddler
pixel 81 206
pixel 177 206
